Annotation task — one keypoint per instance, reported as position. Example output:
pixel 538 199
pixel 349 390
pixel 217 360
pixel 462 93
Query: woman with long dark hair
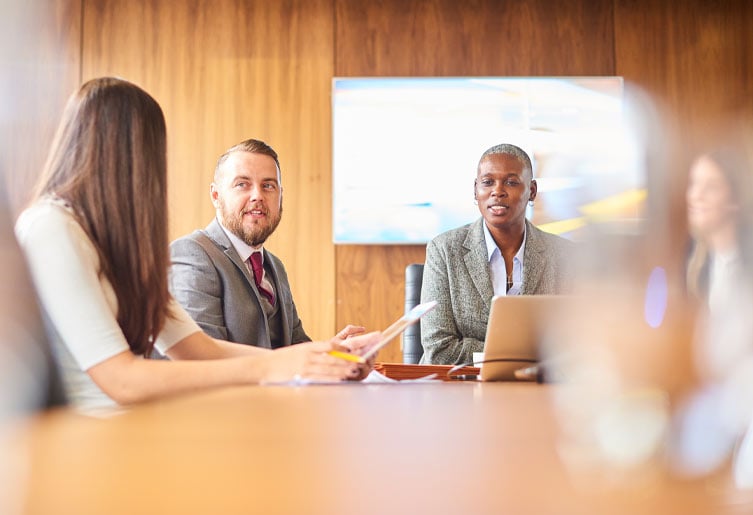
pixel 95 236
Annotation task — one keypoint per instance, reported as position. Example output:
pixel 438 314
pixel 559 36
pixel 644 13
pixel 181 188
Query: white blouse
pixel 79 305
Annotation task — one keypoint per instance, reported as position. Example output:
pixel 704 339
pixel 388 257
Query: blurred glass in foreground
pixel 720 278
pixel 656 384
pixel 28 377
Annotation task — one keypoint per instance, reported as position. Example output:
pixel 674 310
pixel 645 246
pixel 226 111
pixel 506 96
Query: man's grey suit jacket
pixel 211 282
pixel 457 276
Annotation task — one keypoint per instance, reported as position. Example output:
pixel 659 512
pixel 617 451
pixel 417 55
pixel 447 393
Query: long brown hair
pixel 735 164
pixel 108 160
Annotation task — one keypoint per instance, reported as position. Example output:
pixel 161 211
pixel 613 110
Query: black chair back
pixel 412 348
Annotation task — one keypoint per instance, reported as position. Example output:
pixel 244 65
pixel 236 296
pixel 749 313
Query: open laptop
pixel 516 327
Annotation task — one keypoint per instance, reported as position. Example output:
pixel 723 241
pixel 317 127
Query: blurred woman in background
pixel 721 223
pixel 720 220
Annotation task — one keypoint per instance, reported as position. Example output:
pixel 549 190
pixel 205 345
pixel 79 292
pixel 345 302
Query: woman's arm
pixel 128 379
pixel 201 346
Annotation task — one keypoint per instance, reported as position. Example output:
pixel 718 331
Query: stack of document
pixel 401 371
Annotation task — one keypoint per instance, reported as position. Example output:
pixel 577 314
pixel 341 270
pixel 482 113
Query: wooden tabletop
pixel 352 448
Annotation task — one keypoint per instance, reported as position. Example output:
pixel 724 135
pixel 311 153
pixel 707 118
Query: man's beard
pixel 233 222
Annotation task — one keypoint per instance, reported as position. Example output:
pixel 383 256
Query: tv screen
pixel 406 150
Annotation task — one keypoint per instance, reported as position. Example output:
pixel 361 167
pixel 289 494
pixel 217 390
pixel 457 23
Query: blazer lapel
pixel 533 259
pixel 477 262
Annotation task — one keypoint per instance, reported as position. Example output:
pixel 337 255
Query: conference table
pixel 461 447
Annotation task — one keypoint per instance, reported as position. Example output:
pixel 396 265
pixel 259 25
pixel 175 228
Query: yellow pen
pixel 346 356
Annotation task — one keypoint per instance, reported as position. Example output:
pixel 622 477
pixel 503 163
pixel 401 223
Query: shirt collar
pixel 491 246
pixel 243 249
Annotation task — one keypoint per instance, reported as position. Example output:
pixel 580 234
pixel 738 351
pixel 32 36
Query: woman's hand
pixel 309 361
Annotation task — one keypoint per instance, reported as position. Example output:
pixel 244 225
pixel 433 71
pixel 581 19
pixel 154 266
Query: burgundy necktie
pixel 258 269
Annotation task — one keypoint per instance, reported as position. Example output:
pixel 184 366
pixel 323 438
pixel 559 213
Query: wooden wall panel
pixel 695 56
pixel 371 288
pixel 40 47
pixel 440 38
pixel 479 37
pixel 224 71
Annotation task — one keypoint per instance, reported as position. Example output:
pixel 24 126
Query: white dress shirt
pixel 498 269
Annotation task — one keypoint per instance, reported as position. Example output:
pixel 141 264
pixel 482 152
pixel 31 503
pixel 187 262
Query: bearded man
pixel 232 287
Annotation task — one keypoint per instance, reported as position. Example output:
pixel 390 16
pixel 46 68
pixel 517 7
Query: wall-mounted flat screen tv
pixel 406 150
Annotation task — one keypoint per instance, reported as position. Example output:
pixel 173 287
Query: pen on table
pixel 346 356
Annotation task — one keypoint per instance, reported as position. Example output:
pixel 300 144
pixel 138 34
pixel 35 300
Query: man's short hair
pixel 254 146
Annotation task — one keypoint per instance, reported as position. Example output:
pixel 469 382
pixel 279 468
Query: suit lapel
pixel 217 234
pixel 477 262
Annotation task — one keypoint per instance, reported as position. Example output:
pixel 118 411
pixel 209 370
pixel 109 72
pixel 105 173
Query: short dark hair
pixel 510 150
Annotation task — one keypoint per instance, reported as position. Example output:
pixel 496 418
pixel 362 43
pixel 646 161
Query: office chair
pixel 412 348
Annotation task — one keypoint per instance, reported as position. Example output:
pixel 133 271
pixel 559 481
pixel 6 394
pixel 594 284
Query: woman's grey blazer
pixel 215 287
pixel 457 276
